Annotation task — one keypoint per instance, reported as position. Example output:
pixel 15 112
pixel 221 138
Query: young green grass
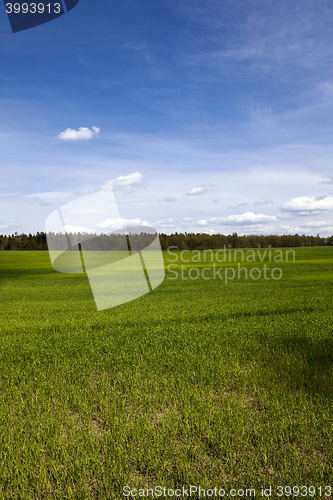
pixel 200 382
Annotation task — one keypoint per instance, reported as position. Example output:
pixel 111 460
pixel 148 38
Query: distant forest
pixel 182 241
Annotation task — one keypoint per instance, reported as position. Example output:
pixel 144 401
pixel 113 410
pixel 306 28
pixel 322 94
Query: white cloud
pixel 83 134
pixel 196 191
pixel 124 182
pixel 305 205
pixel 120 223
pixel 169 198
pixel 246 218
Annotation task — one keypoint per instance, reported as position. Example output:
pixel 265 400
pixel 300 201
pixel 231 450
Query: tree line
pixel 181 241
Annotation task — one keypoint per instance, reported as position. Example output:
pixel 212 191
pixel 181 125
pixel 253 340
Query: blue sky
pixel 208 116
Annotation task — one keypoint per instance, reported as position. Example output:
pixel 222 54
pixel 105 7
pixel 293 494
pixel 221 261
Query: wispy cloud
pixel 239 205
pixel 328 179
pixel 268 35
pixel 49 198
pixel 6 227
pixel 83 134
pixel 186 220
pixel 169 199
pixel 167 223
pixel 263 201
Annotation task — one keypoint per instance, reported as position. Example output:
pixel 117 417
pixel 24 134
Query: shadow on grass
pixel 273 312
pixel 18 273
pixel 299 364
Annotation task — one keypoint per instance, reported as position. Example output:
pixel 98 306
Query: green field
pixel 200 382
